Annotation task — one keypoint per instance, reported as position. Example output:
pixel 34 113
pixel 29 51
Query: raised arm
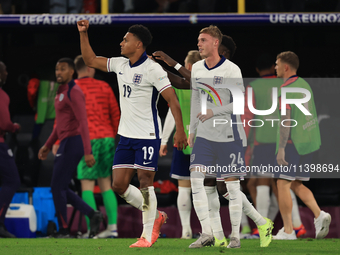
pixel 89 56
pixel 176 81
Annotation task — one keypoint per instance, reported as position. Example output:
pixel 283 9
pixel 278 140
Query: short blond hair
pixel 289 58
pixel 79 63
pixel 213 31
pixel 193 56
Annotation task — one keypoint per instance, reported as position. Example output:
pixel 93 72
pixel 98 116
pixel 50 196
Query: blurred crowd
pixel 165 6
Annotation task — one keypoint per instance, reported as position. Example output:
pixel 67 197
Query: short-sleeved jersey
pixel 101 107
pixel 139 87
pixel 205 80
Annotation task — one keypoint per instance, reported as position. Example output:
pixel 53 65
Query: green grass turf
pixel 165 246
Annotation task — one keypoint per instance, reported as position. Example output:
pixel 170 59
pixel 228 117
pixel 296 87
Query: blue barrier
pixel 43 20
pixel 20 198
pixel 44 208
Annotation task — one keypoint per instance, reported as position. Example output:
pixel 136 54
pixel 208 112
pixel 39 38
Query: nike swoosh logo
pixel 120 73
pixel 198 79
pixel 232 199
pixel 146 163
pixel 57 155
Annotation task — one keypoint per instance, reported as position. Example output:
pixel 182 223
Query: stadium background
pixel 32 51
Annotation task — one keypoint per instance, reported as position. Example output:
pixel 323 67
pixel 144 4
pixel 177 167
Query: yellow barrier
pixel 241 6
pixel 105 6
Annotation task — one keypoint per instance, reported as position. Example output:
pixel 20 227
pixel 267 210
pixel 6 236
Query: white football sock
pixel 263 199
pixel 112 227
pixel 249 210
pixel 295 211
pixel 184 208
pixel 235 207
pixel 214 212
pixel 244 220
pixel 273 208
pixel 200 201
pixel 133 196
pixel 149 211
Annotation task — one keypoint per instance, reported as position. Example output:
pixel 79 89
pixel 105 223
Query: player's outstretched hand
pixel 83 25
pixel 206 116
pixel 43 152
pixel 89 160
pixel 162 56
pixel 163 150
pixel 180 140
pixel 280 158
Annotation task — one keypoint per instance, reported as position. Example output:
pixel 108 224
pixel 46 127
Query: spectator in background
pixel 41 94
pixel 66 6
pixel 296 146
pixel 9 175
pixel 103 118
pixel 72 131
pixel 128 6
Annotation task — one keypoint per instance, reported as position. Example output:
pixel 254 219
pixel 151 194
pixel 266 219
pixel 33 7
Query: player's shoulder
pixel 116 61
pixel 153 67
pixel 151 64
pixel 74 89
pixel 231 65
pixel 198 64
pixel 123 59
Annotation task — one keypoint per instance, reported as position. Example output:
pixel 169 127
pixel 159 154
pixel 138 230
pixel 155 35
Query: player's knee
pixel 144 183
pixel 296 186
pixel 221 187
pixel 119 188
pixel 210 182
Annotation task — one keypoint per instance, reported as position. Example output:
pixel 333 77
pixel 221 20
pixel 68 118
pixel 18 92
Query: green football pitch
pixel 163 246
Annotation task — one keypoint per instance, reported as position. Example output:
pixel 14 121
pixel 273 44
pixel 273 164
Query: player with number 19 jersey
pixel 140 127
pixel 139 89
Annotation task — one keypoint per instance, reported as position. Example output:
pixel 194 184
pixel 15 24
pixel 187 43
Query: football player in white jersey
pixel 140 82
pixel 220 145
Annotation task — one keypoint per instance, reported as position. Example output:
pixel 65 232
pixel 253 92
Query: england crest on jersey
pixel 218 80
pixel 137 78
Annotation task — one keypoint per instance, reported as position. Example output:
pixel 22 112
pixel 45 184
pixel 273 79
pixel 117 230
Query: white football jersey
pixel 139 88
pixel 205 82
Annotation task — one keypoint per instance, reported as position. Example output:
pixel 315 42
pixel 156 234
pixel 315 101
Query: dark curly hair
pixel 69 61
pixel 142 33
pixel 229 43
pixel 265 61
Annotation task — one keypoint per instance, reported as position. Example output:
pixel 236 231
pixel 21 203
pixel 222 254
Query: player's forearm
pixel 176 112
pixel 195 108
pixel 6 124
pixel 178 82
pixel 185 72
pixel 169 125
pixel 86 50
pixel 222 110
pixel 52 139
pixel 284 130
